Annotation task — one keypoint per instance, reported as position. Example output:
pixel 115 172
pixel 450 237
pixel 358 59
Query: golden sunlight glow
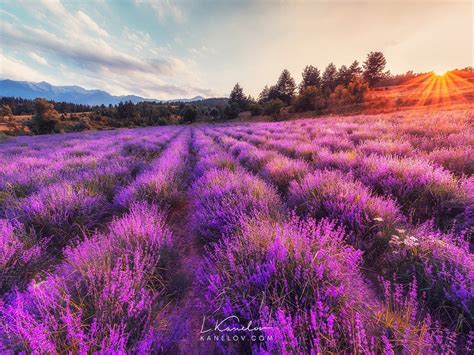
pixel 440 88
pixel 439 72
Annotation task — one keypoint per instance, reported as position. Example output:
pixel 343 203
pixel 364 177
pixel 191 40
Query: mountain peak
pixel 74 94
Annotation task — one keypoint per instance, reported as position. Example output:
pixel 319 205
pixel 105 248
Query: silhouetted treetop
pixel 329 78
pixel 311 77
pixel 374 67
pixel 285 87
pixel 238 97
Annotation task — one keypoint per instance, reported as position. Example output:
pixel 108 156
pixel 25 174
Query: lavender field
pixel 327 235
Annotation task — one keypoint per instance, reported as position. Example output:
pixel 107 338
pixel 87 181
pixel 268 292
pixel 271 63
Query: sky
pixel 168 49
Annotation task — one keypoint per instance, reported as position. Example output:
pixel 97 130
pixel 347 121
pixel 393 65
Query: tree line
pixel 317 91
pixel 20 106
pixel 51 117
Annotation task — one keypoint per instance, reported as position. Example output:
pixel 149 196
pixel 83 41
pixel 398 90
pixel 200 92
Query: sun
pixel 440 72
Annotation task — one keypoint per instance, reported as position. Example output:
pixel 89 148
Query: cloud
pixel 77 22
pixel 17 70
pixel 39 59
pixel 6 13
pixel 164 9
pixel 87 21
pixel 85 51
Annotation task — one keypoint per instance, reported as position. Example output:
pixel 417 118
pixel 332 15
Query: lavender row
pixel 23 174
pixel 108 293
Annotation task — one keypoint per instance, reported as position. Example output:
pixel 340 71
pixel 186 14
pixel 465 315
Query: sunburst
pixel 438 88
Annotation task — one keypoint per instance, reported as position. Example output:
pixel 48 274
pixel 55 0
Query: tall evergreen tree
pixel 238 97
pixel 311 77
pixel 344 76
pixel 355 68
pixel 264 95
pixel 285 87
pixel 374 67
pixel 329 79
pixel 273 93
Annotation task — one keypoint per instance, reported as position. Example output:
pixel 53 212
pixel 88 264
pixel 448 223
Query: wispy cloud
pixel 164 9
pixel 87 21
pixel 6 13
pixel 74 21
pixel 39 59
pixel 15 69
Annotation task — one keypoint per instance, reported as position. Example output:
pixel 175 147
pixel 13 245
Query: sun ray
pixel 435 96
pixel 445 90
pixel 454 84
pixel 436 90
pixel 426 91
pixel 420 88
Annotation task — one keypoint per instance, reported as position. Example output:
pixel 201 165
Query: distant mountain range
pixel 73 94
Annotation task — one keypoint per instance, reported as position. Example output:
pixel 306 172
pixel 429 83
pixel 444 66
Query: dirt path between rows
pixel 184 317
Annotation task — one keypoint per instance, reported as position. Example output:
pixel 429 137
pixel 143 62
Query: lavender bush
pixel 104 297
pixel 222 197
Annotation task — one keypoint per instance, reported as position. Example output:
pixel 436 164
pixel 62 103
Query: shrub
pixel 61 212
pixel 256 109
pixel 421 189
pixel 309 99
pixel 371 219
pixel 20 254
pixel 222 197
pixel 357 89
pixel 218 160
pixel 254 158
pixel 458 160
pixel 83 124
pixel 298 279
pixel 190 113
pixel 106 296
pixel 46 118
pixel 231 111
pixel 443 268
pixel 163 183
pixel 384 147
pixel 354 93
pixel 282 170
pixel 273 107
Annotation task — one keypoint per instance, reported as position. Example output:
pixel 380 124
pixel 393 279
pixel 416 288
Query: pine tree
pixel 285 87
pixel 374 67
pixel 311 77
pixel 355 68
pixel 329 79
pixel 264 95
pixel 344 76
pixel 238 97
